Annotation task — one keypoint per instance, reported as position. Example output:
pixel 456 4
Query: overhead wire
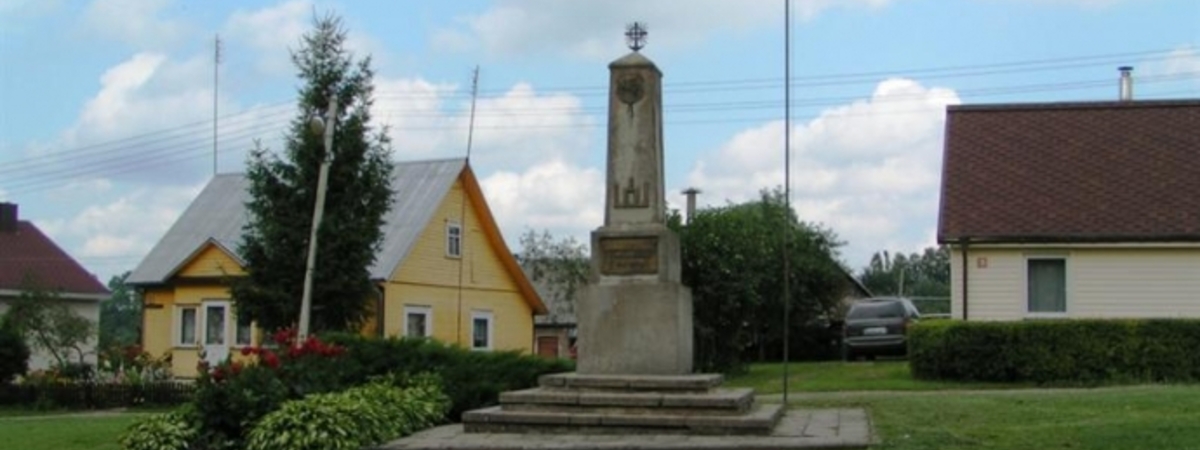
pixel 176 144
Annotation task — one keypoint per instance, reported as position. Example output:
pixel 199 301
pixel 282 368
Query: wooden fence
pixel 96 395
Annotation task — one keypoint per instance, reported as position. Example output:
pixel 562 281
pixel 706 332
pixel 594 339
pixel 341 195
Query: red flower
pixel 247 351
pixel 270 359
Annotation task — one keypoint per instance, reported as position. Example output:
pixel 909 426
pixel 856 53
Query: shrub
pixel 350 420
pixel 1057 351
pixel 168 431
pixel 14 354
pixel 232 396
pixel 472 379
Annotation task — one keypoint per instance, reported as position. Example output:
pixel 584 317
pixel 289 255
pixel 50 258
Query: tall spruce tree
pixel 283 192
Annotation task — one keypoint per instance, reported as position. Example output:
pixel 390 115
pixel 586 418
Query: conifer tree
pixel 283 190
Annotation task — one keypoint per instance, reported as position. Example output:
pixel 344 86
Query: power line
pixel 97 162
pixel 703 86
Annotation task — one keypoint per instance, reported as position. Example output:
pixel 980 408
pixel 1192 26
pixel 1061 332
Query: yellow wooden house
pixel 443 271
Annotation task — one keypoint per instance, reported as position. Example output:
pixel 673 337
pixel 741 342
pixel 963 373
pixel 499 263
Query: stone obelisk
pixel 635 317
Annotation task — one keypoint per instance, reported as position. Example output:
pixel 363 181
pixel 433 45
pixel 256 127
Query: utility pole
pixel 319 210
pixel 462 222
pixel 216 71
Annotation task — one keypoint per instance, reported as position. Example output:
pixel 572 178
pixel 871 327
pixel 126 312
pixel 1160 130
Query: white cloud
pixel 514 129
pixel 271 32
pixel 111 237
pixel 869 170
pixel 139 23
pixel 592 29
pixel 1183 60
pixel 555 195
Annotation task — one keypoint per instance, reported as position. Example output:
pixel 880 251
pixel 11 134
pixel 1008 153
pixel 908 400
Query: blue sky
pixel 106 134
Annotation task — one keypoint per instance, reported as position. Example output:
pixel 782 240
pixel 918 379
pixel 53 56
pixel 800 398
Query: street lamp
pixel 325 127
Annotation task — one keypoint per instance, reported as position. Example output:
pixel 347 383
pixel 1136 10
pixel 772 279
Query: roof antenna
pixel 462 215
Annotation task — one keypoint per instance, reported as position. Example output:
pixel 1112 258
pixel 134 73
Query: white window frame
pixel 226 337
pixel 421 310
pixel 237 328
pixel 1066 287
pixel 491 329
pixel 454 239
pixel 177 326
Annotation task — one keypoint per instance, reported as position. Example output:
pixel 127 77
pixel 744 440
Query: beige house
pixel 1073 210
pixel 29 256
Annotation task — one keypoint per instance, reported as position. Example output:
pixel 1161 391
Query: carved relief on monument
pixel 631 196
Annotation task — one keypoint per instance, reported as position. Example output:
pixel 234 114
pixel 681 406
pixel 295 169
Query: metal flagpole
pixel 787 186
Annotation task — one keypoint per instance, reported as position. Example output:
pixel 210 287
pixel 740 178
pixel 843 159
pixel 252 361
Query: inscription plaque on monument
pixel 629 255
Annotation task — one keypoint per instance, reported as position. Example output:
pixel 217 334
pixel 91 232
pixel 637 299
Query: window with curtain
pixel 1047 284
pixel 416 321
pixel 186 326
pixel 244 330
pixel 453 240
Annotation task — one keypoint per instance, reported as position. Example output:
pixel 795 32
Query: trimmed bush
pixel 168 431
pixel 1086 352
pixel 472 379
pixel 349 420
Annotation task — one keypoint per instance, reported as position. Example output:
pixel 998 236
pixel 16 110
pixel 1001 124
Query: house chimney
pixel 8 217
pixel 1126 83
pixel 691 202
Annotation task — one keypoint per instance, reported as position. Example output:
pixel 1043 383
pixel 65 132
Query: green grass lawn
pixel 1139 417
pixel 845 376
pixel 64 433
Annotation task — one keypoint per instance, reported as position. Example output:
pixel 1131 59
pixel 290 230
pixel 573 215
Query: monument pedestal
pixel 627 404
pixel 635 317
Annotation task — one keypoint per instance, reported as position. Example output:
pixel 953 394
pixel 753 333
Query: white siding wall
pixel 88 309
pixel 1101 282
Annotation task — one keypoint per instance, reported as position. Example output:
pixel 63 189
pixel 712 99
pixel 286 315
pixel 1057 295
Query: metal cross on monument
pixel 635 36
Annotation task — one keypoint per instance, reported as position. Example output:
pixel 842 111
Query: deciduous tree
pixel 733 262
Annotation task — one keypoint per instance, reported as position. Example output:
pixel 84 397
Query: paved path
pixel 92 413
pixel 798 429
pixel 800 396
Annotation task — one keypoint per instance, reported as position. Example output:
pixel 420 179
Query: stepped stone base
pixel 627 404
pixel 798 429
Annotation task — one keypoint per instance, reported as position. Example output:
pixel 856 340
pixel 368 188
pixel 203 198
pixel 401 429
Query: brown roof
pixel 1072 172
pixel 29 252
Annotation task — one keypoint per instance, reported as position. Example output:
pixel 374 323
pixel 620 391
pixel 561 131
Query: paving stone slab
pixel 853 432
pixel 760 420
pixel 695 382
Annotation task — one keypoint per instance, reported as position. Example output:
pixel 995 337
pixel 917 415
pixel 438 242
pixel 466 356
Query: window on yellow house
pixel 244 331
pixel 481 330
pixel 417 321
pixel 453 239
pixel 185 326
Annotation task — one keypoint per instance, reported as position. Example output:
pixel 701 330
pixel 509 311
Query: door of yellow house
pixel 216 330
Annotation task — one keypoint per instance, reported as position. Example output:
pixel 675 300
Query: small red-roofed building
pixel 29 256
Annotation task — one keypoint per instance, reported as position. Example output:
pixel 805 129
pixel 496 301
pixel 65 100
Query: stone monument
pixel 635 317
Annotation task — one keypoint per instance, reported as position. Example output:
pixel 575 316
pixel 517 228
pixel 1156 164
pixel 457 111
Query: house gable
pixel 486 262
pixel 211 260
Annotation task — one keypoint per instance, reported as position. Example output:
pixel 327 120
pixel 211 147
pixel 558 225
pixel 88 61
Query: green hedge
pixel 472 379
pixel 1091 351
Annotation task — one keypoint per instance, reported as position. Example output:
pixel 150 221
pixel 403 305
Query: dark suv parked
pixel 878 326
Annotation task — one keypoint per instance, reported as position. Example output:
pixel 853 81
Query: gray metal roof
pixel 219 213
